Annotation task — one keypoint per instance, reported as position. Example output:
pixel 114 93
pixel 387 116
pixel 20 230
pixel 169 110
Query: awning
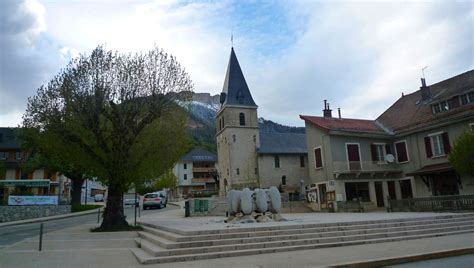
pixel 432 169
pixel 26 183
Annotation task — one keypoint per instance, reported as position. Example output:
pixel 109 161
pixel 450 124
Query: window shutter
pixel 318 158
pixel 446 145
pixel 429 153
pixel 388 149
pixel 373 150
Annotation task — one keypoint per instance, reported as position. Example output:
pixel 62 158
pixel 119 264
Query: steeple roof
pixel 235 87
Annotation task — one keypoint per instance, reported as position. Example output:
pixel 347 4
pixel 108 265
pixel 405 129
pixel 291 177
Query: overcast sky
pixel 360 56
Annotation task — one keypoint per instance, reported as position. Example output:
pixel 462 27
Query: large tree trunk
pixel 114 217
pixel 76 191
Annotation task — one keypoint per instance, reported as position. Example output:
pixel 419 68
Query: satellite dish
pixel 389 158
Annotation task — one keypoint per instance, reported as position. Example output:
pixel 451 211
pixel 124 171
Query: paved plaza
pixel 77 247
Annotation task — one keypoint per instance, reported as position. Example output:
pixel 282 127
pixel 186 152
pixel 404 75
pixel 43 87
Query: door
pixel 391 190
pixel 379 194
pixel 353 156
pixel 322 195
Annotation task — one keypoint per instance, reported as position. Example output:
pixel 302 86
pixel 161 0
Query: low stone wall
pixel 15 213
pixel 207 207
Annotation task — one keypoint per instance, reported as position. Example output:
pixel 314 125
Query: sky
pixel 359 55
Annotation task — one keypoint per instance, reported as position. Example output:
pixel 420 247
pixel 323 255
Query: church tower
pixel 236 132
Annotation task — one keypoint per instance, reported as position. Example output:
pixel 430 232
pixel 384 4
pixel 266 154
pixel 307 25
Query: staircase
pixel 158 244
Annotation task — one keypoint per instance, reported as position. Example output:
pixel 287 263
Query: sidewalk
pixel 49 218
pixel 77 247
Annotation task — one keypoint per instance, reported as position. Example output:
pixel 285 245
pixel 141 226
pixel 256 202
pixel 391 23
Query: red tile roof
pixel 344 124
pixel 409 112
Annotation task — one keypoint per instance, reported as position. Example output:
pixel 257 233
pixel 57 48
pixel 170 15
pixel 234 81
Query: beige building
pixel 401 154
pixel 248 157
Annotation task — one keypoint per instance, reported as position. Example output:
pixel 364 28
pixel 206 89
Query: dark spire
pixel 235 91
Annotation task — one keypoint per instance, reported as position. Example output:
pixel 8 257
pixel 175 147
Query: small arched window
pixel 283 180
pixel 242 119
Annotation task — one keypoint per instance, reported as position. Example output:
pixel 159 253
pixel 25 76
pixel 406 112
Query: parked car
pixel 131 201
pixel 152 200
pixel 164 196
pixel 99 198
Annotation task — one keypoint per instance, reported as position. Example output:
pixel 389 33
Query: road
pixel 12 234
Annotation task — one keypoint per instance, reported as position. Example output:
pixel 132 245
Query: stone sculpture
pixel 248 206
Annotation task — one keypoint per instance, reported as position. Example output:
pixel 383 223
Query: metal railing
pixel 435 203
pixel 363 166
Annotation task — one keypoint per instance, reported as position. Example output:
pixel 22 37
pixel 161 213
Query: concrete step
pixel 239 230
pixel 240 233
pixel 280 237
pixel 144 258
pixel 301 241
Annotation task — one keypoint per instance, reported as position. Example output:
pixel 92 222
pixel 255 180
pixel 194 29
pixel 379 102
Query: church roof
pixel 282 143
pixel 235 87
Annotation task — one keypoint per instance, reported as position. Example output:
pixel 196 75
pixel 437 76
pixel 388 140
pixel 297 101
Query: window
pixel 18 155
pixel 223 124
pixel 233 138
pixel 242 119
pixel 237 171
pixel 437 144
pixel 185 176
pixel 254 139
pixel 378 152
pixel 401 151
pixel 227 172
pixel 283 180
pixel 318 159
pixel 256 171
pixel 471 126
pixel 357 190
pixel 277 161
pixel 3 155
pixel 185 166
pixel 302 161
pixel 467 98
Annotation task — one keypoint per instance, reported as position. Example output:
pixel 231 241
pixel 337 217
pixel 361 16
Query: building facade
pixel 195 172
pixel 248 157
pixel 401 154
pixel 15 181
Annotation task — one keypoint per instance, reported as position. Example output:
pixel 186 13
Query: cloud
pixel 27 56
pixel 359 56
pixel 362 56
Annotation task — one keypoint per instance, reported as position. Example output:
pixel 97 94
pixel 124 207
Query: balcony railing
pixel 202 169
pixel 363 166
pixel 206 180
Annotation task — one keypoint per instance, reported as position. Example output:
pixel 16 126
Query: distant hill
pixel 202 122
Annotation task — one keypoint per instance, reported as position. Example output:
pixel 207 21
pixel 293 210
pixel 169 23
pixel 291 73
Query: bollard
pixel 98 215
pixel 138 211
pixel 186 209
pixel 41 237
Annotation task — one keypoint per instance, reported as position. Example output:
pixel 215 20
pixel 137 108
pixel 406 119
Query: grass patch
pixel 121 229
pixel 80 207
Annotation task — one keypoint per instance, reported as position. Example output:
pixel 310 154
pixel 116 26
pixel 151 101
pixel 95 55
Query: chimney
pixel 339 112
pixel 425 91
pixel 327 112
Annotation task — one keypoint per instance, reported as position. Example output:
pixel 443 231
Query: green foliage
pixel 144 189
pixel 462 153
pixel 79 207
pixel 113 117
pixel 167 180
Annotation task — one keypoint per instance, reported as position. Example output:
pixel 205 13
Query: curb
pixel 407 258
pixel 49 218
pixel 175 204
